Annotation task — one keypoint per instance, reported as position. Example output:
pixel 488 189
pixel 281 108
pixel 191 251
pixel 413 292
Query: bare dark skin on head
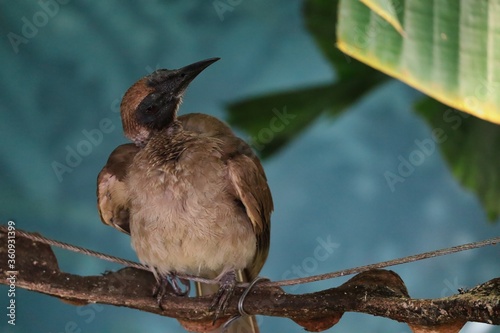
pixel 192 195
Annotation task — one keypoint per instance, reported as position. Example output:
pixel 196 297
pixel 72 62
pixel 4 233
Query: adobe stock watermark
pixel 30 26
pixel 424 148
pixel 74 154
pixel 277 124
pixel 223 6
pixel 309 265
pixel 480 95
pixel 91 139
pixel 452 287
pixel 87 312
pixel 11 273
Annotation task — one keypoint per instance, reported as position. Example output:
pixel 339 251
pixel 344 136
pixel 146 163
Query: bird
pixel 193 196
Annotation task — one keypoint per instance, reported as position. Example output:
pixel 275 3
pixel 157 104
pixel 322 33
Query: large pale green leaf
pixel 470 146
pixel 450 49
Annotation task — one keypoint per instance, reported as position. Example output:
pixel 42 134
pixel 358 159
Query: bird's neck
pixel 145 136
pixel 142 137
pixel 174 127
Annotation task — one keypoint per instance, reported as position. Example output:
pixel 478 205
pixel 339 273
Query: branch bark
pixel 377 292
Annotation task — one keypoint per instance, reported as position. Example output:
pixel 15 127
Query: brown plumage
pixel 112 194
pixel 192 195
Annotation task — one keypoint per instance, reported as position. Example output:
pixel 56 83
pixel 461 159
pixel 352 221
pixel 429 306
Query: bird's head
pixel 151 103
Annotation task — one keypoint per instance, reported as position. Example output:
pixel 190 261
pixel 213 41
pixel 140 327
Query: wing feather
pixel 112 194
pixel 250 185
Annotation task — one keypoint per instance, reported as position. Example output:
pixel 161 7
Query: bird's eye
pixel 151 110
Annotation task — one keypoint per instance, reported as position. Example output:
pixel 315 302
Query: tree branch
pixel 376 292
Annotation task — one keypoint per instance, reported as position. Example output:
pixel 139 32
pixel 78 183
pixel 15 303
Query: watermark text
pixel 11 273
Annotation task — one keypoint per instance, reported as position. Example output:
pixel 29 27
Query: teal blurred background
pixel 69 73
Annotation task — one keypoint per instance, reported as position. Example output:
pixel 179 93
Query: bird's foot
pixel 227 284
pixel 176 282
pixel 160 291
pixel 172 280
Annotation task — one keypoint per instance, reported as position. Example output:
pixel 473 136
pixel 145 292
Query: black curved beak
pixel 159 107
pixel 187 74
pixel 191 71
pixel 174 82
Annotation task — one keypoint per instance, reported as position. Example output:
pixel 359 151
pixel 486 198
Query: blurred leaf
pixel 470 146
pixel 354 80
pixel 451 49
pixel 386 9
pixel 274 120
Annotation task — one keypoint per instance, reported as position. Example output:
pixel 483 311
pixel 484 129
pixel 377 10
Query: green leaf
pixel 451 49
pixel 470 147
pixel 386 10
pixel 263 117
pixel 354 80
